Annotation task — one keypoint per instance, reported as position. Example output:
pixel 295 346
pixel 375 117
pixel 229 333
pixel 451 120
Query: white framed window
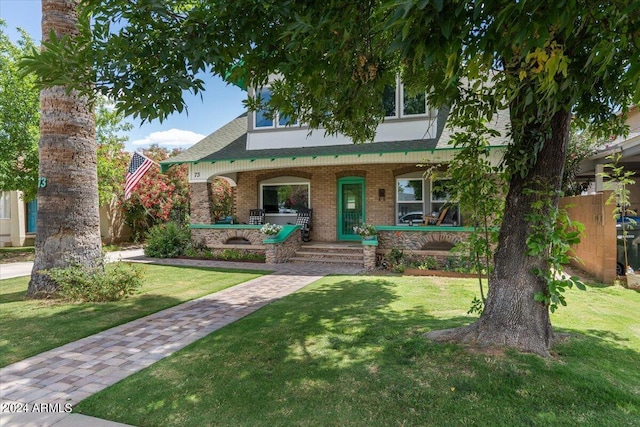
pixel 413 106
pixel 409 200
pixel 5 205
pixel 262 120
pixel 397 103
pixel 284 195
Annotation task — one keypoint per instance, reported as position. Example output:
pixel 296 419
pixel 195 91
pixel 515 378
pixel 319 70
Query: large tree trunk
pixel 68 222
pixel 512 317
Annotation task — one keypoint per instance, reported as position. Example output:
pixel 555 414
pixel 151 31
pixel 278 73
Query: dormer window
pixel 398 103
pixel 262 117
pixel 413 105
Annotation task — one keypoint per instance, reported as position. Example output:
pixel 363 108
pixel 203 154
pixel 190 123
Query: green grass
pixel 349 351
pixel 29 327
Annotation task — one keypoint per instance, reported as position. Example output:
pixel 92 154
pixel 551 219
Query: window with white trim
pixel 409 200
pixel 284 197
pixel 417 199
pixel 415 105
pixel 264 120
pixel 398 103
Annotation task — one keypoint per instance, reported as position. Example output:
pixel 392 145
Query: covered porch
pixel 287 245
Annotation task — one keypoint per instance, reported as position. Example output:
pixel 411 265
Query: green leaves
pixel 19 119
pixel 551 237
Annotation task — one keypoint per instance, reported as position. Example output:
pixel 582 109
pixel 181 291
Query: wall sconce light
pixel 381 194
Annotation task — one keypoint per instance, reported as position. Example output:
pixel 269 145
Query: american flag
pixel 138 166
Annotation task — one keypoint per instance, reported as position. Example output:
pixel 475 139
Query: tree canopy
pixel 547 62
pixel 336 57
pixel 19 118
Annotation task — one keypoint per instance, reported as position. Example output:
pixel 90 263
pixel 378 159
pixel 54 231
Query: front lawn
pixel 29 327
pixel 349 351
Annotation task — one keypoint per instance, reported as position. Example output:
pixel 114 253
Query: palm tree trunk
pixel 68 221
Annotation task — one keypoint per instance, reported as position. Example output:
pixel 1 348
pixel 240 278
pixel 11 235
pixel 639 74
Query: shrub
pixel 167 240
pixel 422 263
pixel 80 283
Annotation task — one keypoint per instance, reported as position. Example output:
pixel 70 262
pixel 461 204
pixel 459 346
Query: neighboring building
pixel 602 235
pixel 277 166
pixel 629 148
pixel 17 219
pixel 18 222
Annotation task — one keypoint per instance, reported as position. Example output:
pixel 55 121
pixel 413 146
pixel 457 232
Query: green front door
pixel 351 207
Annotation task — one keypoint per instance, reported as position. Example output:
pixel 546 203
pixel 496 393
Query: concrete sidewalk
pixel 68 374
pixel 18 269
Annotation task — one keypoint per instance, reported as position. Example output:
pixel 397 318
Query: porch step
pixel 330 254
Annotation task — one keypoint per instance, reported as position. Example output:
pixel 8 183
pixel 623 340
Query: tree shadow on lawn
pixel 352 352
pixel 606 335
pixel 12 297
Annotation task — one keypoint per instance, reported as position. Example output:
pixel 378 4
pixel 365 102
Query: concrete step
pixel 331 249
pixel 341 261
pixel 329 254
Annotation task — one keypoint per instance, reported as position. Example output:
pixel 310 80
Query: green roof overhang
pixel 167 164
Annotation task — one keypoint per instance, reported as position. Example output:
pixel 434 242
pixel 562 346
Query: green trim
pixel 314 156
pixel 372 242
pixel 448 228
pixel 226 226
pixel 283 235
pixel 363 203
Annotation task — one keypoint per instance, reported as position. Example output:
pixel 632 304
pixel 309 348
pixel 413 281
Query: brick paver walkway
pixel 70 373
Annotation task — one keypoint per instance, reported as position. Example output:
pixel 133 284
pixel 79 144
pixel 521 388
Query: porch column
pixel 599 180
pixel 369 248
pixel 200 210
pixel 18 221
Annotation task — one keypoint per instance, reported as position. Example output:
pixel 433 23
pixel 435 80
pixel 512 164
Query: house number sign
pixel 42 182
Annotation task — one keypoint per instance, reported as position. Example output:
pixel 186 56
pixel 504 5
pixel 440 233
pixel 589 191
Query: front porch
pixel 287 246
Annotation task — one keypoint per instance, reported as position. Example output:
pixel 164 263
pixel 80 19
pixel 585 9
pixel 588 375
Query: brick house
pixel 280 167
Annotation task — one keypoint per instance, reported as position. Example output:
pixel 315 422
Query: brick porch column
pixel 369 248
pixel 200 203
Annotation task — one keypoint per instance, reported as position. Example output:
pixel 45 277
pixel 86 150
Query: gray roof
pixel 213 143
pixel 230 143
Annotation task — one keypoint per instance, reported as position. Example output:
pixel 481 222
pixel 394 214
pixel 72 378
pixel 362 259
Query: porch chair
pixel 256 216
pixel 304 220
pixel 437 220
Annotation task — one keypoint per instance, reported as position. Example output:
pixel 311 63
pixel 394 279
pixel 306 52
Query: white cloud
pixel 170 138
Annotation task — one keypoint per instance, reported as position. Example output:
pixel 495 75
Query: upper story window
pixel 399 103
pixel 413 105
pixel 264 120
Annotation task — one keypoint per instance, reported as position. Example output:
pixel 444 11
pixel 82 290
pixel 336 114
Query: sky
pixel 220 102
